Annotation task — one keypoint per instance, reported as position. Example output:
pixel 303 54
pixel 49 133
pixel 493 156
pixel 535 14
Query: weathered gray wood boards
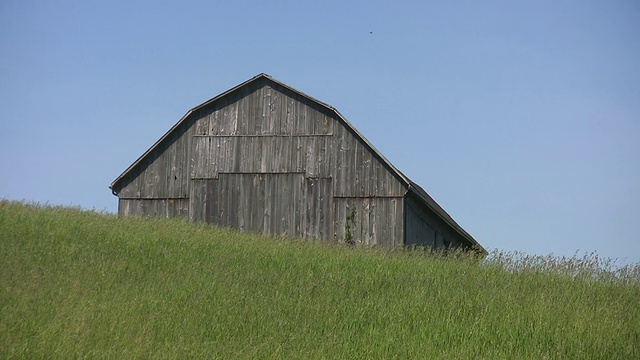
pixel 265 157
pixel 286 204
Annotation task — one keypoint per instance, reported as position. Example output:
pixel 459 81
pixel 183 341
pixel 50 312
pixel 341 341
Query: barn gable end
pixel 267 158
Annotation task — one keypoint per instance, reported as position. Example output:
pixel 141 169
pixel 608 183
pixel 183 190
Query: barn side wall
pixel 424 228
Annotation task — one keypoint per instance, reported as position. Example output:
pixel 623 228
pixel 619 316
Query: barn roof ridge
pixel 410 185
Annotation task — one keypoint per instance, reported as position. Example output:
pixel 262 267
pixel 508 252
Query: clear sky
pixel 521 118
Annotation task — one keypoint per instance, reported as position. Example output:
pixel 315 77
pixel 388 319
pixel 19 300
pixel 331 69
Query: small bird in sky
pixel 370 32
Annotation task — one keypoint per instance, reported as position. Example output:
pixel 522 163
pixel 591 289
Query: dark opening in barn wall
pixel 424 227
pixel 419 231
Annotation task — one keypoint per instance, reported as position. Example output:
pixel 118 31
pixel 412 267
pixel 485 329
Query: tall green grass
pixel 83 284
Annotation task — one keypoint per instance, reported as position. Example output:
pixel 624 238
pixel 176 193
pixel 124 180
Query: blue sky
pixel 522 119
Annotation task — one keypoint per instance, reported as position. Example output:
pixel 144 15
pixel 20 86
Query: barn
pixel 267 158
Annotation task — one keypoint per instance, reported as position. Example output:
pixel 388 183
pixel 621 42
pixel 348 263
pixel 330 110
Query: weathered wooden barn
pixel 265 157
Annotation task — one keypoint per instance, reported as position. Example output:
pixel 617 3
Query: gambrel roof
pixel 411 186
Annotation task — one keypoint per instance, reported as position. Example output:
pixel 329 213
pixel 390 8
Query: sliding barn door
pixel 273 204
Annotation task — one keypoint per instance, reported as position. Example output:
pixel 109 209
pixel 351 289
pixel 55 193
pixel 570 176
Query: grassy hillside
pixel 83 284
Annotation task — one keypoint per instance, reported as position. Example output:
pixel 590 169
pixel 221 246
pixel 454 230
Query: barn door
pixel 274 204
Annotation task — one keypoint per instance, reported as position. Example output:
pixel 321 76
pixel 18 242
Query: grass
pixel 77 284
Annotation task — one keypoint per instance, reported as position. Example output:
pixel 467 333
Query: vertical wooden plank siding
pixel 198 200
pixel 157 208
pixel 358 171
pixel 375 222
pixel 273 204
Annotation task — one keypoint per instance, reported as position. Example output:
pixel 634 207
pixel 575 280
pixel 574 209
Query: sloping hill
pixel 83 284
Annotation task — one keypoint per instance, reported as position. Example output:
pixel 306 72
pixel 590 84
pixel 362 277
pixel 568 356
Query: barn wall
pixel 263 108
pixel 358 172
pixel 158 208
pixel 265 130
pixel 264 158
pixel 261 154
pixel 377 221
pixel 424 228
pixel 262 130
